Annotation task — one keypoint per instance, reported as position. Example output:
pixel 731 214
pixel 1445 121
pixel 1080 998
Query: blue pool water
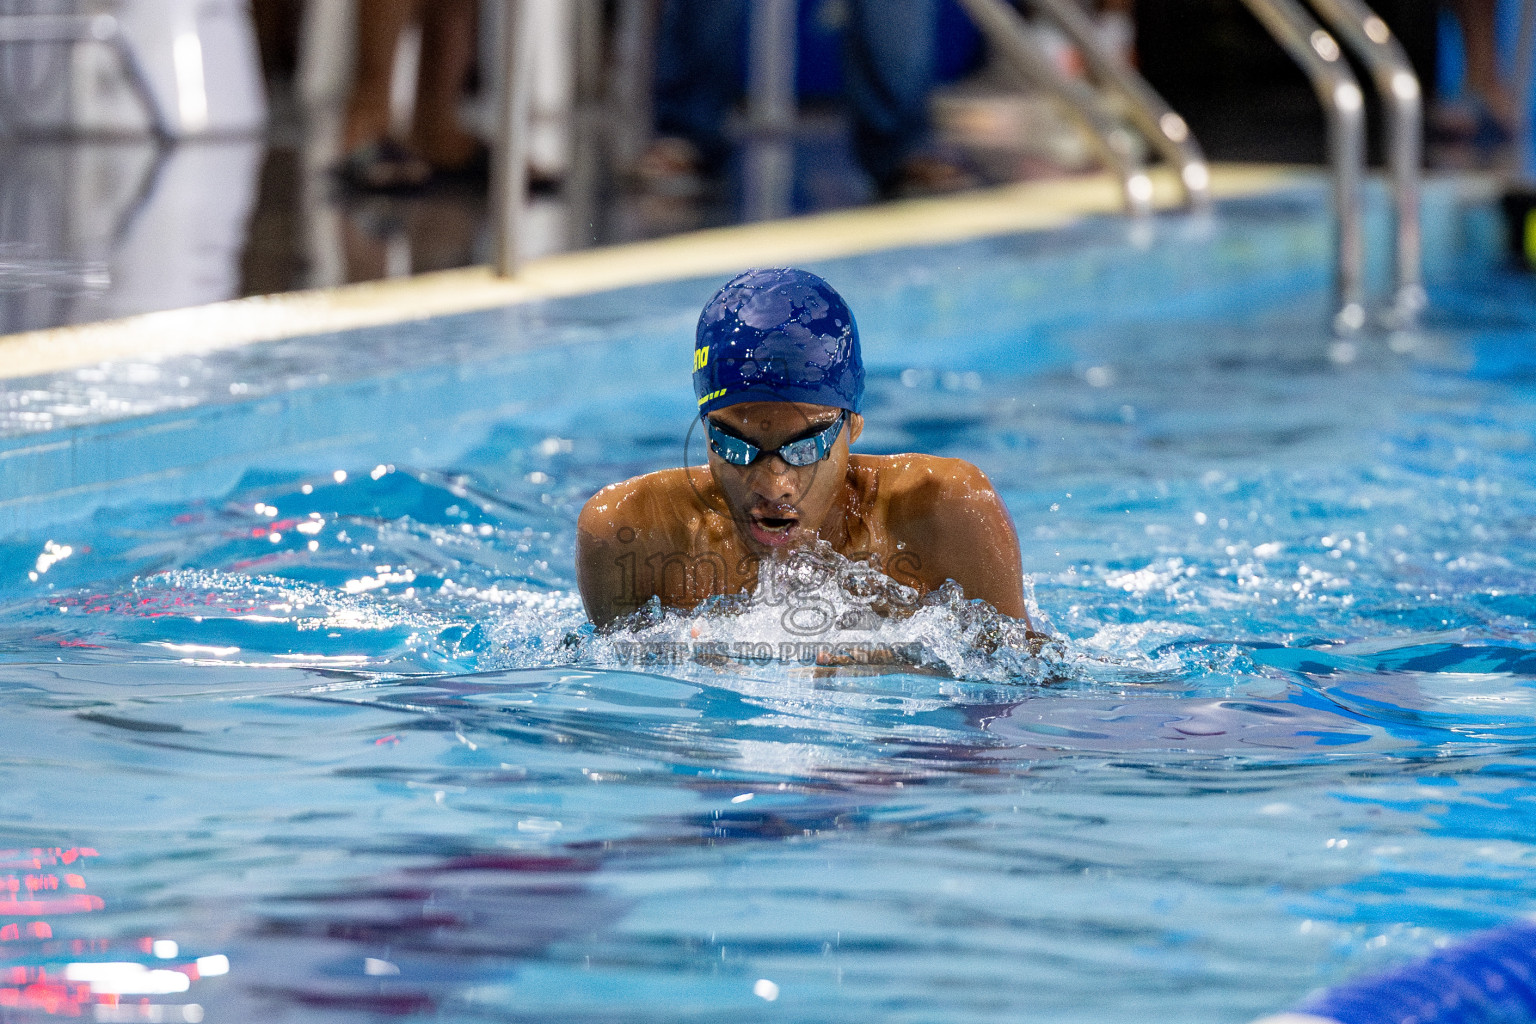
pixel 301 680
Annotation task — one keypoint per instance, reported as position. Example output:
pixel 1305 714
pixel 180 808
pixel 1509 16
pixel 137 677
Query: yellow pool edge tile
pixel 1009 209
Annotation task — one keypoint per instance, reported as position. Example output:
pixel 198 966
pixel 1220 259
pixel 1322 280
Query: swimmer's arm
pixel 959 529
pixel 606 567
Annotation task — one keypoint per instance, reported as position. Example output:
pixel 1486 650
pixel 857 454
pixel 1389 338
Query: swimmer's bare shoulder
pixel 655 514
pixel 640 504
pixel 947 514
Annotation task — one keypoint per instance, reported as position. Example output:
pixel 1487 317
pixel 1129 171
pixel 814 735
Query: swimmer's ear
pixel 855 426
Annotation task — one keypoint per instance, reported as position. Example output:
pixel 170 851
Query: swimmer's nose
pixel 773 480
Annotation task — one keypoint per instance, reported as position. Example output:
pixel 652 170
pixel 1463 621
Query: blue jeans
pixel 888 69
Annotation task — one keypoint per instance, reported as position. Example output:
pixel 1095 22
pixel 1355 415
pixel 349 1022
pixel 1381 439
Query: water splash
pixel 817 612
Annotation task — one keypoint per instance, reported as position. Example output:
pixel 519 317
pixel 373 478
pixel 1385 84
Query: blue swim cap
pixel 780 335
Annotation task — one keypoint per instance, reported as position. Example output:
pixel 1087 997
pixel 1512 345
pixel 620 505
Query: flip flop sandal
pixel 384 166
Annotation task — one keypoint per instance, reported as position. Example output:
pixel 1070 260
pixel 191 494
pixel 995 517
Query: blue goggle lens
pixel 803 452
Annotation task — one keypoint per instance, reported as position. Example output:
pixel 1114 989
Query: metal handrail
pixel 1318 54
pixel 1372 41
pixel 1167 132
pixel 1006 30
pixel 83 28
pixel 509 172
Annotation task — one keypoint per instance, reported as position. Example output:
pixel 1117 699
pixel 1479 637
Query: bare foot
pixel 931 174
pixel 1500 105
pixel 670 166
pixel 446 147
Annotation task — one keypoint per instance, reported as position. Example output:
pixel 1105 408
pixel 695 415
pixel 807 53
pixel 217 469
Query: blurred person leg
pixel 1479 33
pixel 374 161
pixel 888 69
pixel 447 55
pixel 277 35
pixel 698 76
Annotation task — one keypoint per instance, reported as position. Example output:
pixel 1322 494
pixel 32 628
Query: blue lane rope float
pixel 1489 979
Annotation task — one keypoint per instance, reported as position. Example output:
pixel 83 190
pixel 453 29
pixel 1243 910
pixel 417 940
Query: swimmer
pixel 779 379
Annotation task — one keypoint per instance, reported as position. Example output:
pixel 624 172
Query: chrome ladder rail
pixel 1161 126
pixel 1370 38
pixel 1005 29
pixel 1319 55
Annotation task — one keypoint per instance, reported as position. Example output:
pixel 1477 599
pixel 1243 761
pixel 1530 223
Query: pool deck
pixel 1031 206
pixel 184 404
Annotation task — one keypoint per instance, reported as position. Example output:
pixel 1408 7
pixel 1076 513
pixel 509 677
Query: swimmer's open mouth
pixel 773 525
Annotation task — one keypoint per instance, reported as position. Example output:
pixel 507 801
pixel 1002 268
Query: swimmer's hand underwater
pixel 779 378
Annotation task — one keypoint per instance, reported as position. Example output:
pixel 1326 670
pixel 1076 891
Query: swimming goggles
pixel 801 452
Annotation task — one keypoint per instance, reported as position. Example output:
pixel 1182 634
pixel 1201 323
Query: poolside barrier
pixel 1489 979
